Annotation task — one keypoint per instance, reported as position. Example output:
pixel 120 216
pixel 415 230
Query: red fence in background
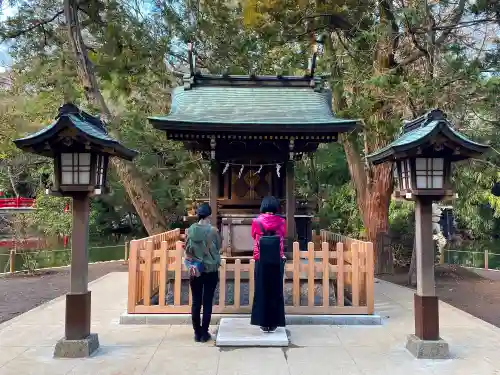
pixel 31 243
pixel 16 202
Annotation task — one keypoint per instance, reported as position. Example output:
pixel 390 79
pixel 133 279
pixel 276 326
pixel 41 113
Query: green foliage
pixel 30 262
pixel 49 217
pixel 339 212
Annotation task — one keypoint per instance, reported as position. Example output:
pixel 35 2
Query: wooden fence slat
pixel 222 284
pixel 326 274
pixel 179 252
pixel 363 272
pixel 251 280
pixel 340 274
pixel 370 279
pixel 310 275
pixel 148 273
pixel 132 277
pixel 162 292
pixel 237 283
pixel 355 273
pixel 296 275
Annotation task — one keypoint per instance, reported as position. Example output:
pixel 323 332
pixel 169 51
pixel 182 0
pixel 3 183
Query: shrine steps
pixel 185 319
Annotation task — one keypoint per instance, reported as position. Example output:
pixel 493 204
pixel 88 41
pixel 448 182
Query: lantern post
pixel 80 146
pixel 422 160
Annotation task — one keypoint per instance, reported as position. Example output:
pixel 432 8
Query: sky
pixel 5 11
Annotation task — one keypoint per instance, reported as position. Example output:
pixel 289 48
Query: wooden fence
pixel 315 280
pixel 354 247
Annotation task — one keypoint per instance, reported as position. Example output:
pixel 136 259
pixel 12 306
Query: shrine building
pixel 253 129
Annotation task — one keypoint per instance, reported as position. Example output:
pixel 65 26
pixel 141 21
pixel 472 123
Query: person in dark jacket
pixel 203 244
pixel 268 308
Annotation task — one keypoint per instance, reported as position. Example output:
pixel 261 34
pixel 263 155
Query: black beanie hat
pixel 204 211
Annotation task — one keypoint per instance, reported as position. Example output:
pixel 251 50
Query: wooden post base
pixel 426 317
pixel 77 316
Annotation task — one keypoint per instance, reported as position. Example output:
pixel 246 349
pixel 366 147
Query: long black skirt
pixel 268 309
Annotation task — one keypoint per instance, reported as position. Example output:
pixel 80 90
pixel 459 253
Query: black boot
pixel 205 337
pixel 197 335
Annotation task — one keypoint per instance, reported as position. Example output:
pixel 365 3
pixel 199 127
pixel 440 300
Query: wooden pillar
pixel 426 301
pixel 78 299
pixel 290 203
pixel 214 189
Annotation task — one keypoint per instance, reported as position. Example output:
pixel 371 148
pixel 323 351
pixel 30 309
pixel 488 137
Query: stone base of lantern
pixel 77 348
pixel 427 349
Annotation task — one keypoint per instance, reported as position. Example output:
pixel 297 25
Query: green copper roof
pixel 421 131
pixel 88 126
pixel 292 102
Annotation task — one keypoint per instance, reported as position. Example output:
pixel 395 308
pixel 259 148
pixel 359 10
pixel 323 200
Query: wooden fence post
pixel 179 252
pixel 222 284
pixel 148 272
pixel 132 277
pixel 326 273
pixel 162 290
pixel 340 274
pixel 355 273
pixel 486 259
pixel 12 261
pixel 237 283
pixel 296 275
pixel 310 274
pixel 370 278
pixel 125 255
pixel 441 256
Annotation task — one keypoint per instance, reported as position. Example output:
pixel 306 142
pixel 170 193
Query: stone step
pixel 237 332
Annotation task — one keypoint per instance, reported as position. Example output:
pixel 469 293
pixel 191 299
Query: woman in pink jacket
pixel 268 232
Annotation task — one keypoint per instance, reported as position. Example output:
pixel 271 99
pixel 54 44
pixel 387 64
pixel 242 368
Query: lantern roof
pixel 424 132
pixel 252 104
pixel 71 122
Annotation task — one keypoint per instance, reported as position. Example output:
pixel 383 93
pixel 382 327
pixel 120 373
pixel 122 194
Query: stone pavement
pixel 27 343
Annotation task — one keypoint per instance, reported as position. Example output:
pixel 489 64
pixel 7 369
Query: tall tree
pixel 389 60
pixel 28 20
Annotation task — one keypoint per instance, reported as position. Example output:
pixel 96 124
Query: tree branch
pixel 453 22
pixel 36 25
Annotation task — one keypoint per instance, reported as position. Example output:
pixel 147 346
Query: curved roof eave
pixel 337 125
pixel 388 153
pixel 51 130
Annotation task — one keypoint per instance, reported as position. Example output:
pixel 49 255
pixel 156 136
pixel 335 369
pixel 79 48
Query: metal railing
pixel 16 202
pixel 478 259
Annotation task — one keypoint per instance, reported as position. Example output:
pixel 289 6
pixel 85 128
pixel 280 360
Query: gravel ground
pixel 463 289
pixel 20 293
pixel 245 293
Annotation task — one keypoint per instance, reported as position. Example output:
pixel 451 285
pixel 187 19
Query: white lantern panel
pixel 67 159
pixel 438 164
pixel 405 175
pixel 99 171
pixel 437 182
pixel 84 159
pixel 75 168
pixel 429 173
pixel 84 177
pixel 67 177
pixel 420 164
pixel 421 182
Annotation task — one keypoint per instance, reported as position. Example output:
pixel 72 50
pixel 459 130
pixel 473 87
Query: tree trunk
pixel 373 196
pixel 139 194
pixel 12 183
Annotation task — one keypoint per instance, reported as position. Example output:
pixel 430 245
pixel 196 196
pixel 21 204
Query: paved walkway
pixel 27 341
